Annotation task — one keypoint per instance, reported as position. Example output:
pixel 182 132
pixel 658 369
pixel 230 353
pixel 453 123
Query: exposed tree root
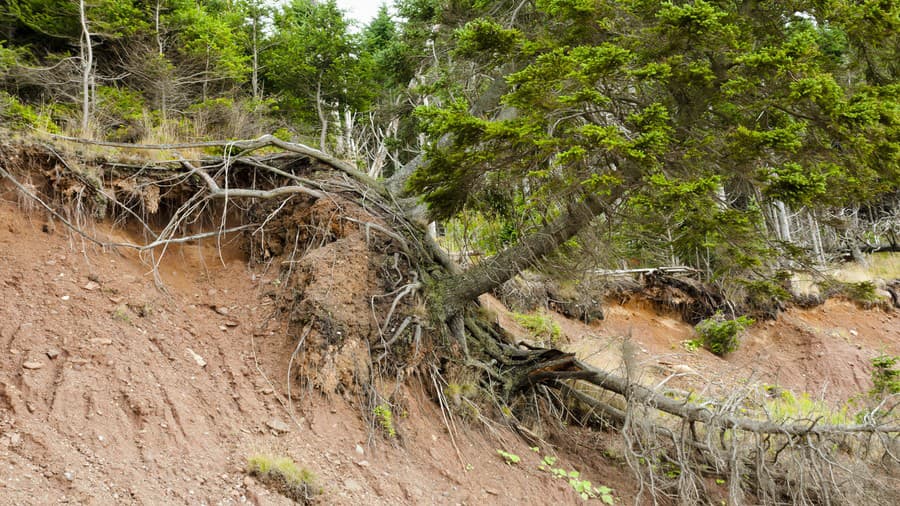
pixel 311 211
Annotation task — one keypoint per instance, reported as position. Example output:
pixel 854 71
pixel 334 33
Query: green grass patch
pixel 785 406
pixel 285 476
pixel 541 326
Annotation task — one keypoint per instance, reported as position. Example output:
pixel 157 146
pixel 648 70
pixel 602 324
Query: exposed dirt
pixel 825 352
pixel 103 399
pixel 112 391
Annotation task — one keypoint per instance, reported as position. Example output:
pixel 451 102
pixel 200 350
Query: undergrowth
pixel 285 476
pixel 720 335
pixel 541 326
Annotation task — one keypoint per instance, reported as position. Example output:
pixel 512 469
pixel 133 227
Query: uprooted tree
pixel 664 119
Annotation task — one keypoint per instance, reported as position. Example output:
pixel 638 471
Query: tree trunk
pixel 460 289
pixel 254 75
pixel 87 64
pixel 323 120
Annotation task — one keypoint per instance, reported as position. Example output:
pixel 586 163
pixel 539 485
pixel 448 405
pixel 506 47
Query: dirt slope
pixel 825 352
pixel 104 398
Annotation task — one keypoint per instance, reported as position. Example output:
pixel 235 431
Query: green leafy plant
pixel 721 335
pixel 692 345
pixel 385 418
pixel 285 476
pixel 885 378
pixel 541 326
pixel 583 488
pixel 509 458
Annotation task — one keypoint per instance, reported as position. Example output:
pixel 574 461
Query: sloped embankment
pixel 113 392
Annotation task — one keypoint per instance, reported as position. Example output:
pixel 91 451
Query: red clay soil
pixel 113 392
pixel 825 352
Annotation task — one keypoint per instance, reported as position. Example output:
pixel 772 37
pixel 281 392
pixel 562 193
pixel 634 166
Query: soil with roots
pixel 113 392
pixel 148 379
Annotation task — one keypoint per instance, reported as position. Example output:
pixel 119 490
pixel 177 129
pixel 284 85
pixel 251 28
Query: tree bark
pixel 460 289
pixel 87 64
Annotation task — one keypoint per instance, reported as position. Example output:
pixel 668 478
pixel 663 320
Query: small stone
pixel 266 391
pixel 222 310
pixel 360 450
pixel 248 481
pixel 223 328
pixel 363 463
pixel 197 358
pixel 231 324
pixel 91 286
pixel 65 297
pixel 69 475
pixel 52 353
pixel 101 341
pixel 278 426
pixel 32 365
pixel 15 439
pixel 853 332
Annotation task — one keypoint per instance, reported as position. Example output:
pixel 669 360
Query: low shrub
pixel 720 335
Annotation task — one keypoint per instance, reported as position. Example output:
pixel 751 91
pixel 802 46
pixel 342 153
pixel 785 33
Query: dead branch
pixel 245 146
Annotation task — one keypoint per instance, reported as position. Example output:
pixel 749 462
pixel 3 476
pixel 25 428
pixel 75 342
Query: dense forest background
pixel 744 139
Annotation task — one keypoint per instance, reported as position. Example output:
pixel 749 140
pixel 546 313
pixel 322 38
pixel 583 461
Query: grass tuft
pixel 285 476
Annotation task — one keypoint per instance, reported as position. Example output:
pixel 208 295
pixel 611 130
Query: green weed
pixel 385 418
pixel 284 475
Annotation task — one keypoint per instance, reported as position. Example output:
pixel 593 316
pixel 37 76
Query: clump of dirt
pixel 336 265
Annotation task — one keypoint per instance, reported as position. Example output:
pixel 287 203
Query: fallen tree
pixel 275 182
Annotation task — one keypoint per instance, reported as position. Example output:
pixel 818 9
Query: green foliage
pixel 583 488
pixel 285 476
pixel 721 335
pixel 860 292
pixel 509 458
pixel 885 377
pixel 541 325
pixel 692 345
pixel 385 419
pixel 17 115
pixel 785 406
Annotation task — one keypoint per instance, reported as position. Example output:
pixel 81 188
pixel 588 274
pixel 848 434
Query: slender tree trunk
pixel 784 223
pixel 458 290
pixel 323 120
pixel 87 65
pixel 254 73
pixel 159 43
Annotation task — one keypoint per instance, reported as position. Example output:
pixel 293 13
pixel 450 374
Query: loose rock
pixel 278 426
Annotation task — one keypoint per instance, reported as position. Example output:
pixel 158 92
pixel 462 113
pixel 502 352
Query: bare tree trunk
pixel 784 223
pixel 816 237
pixel 484 277
pixel 159 43
pixel 323 120
pixel 87 65
pixel 254 71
